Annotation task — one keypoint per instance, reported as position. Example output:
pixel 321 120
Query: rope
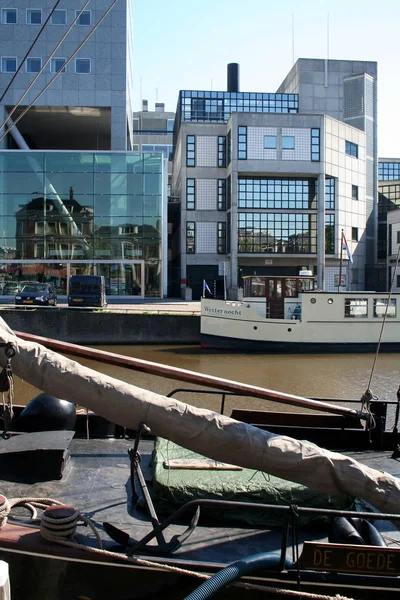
pixel 62 530
pixel 30 503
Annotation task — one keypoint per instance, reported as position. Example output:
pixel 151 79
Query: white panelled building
pixel 267 185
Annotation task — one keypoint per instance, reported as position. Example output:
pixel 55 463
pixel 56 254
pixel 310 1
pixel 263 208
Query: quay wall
pixel 106 328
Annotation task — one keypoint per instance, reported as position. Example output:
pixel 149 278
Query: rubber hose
pixel 264 560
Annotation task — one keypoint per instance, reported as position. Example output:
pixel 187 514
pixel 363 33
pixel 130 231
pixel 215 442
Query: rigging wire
pixel 40 72
pixel 61 69
pixel 384 320
pixel 29 51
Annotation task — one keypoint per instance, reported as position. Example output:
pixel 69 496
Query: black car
pixel 42 294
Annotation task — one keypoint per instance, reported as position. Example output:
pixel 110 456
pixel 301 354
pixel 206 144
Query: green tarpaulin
pixel 173 487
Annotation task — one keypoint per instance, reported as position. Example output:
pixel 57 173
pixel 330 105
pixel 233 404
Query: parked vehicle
pixel 11 288
pixel 87 290
pixel 42 294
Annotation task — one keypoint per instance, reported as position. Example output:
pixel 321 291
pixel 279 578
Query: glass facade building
pixel 67 213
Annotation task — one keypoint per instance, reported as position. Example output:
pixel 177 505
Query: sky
pixel 187 44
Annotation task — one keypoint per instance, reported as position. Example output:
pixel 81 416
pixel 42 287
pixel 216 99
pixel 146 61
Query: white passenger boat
pixel 286 314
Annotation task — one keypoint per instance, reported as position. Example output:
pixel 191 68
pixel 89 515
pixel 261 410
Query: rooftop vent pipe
pixel 233 77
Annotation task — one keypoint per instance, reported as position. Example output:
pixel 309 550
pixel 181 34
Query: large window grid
pixel 209 106
pixel 190 237
pixel 315 152
pixel 242 143
pixel 294 194
pixel 190 151
pixel 277 233
pixel 221 242
pixel 389 198
pixel 221 194
pixel 222 151
pixel 388 171
pixel 190 194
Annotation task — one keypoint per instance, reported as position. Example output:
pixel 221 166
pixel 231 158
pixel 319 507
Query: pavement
pixel 150 305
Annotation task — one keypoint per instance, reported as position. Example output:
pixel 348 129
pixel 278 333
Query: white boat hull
pixel 323 326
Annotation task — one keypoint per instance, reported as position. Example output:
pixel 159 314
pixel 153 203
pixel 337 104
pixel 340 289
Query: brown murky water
pixel 327 376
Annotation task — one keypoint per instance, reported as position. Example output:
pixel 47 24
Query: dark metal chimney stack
pixel 233 77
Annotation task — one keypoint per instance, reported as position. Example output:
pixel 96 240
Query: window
pixel 170 125
pixel 354 234
pixel 351 149
pixel 242 143
pixel 276 233
pixel 190 151
pixel 190 237
pixel 270 142
pixel 83 65
pixel 85 17
pixel 33 65
pixel 398 281
pixel 166 150
pixel 34 16
pixel 221 194
pixel 221 241
pixel 398 237
pixel 356 308
pixel 281 194
pixel 8 64
pixel 329 193
pixel 56 64
pixel 9 16
pixel 287 142
pixel 59 17
pixel 228 147
pixel 221 151
pixel 354 192
pixel 190 194
pixel 384 307
pixel 329 234
pixel 315 144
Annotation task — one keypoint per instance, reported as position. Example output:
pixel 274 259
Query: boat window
pixel 305 285
pixel 356 307
pixel 380 306
pixel 257 287
pixel 290 288
pixel 279 288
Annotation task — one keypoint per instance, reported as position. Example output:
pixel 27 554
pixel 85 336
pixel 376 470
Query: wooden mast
pixel 189 376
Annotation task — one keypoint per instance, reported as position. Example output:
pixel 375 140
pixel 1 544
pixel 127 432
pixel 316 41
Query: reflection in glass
pixel 65 206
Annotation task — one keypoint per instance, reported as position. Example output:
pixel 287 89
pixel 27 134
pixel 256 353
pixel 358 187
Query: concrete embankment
pixel 107 327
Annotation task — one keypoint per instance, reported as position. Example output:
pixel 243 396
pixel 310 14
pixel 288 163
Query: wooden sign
pixel 372 560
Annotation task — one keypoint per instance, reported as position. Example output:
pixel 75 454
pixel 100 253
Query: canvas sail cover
pixel 203 431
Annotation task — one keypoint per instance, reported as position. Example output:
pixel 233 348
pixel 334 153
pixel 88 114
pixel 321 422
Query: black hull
pixel 64 578
pixel 214 342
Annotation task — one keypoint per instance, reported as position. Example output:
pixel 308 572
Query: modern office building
pixel 88 106
pixel 268 181
pixel 73 197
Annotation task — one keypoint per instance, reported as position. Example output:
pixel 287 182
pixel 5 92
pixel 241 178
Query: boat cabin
pixel 274 289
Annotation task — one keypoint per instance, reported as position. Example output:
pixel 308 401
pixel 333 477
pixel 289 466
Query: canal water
pixel 330 376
